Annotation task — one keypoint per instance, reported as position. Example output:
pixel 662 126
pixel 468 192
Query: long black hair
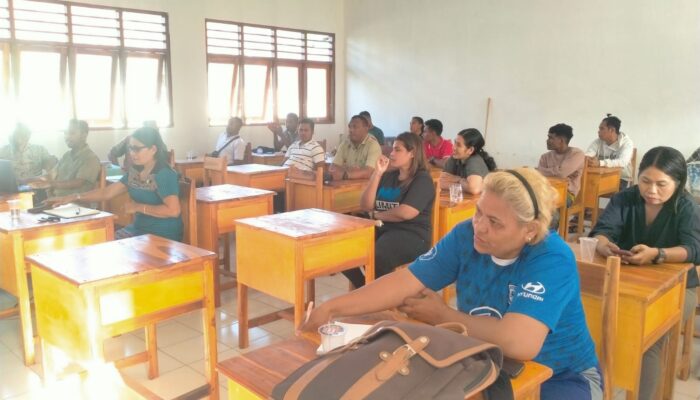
pixel 473 138
pixel 672 163
pixel 151 137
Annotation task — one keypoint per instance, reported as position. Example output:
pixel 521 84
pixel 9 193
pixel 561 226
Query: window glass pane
pixel 257 100
pixel 141 90
pixel 7 122
pixel 93 88
pixel 41 101
pixel 316 92
pixel 287 91
pixel 220 77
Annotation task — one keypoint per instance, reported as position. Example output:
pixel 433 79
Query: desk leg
pixel 152 351
pixel 242 316
pixel 669 373
pixel 369 267
pixel 311 290
pixel 25 308
pixel 563 217
pixel 47 362
pixel 594 212
pixel 209 325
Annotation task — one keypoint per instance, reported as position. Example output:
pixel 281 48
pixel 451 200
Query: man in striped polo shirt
pixel 305 154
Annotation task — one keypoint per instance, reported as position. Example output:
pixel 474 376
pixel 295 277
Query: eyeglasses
pixel 136 149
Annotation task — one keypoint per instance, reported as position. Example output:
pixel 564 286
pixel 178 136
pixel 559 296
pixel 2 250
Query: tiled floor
pixel 181 351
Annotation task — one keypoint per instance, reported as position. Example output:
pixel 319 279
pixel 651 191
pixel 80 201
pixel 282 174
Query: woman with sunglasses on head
pixel 152 186
pixel 655 221
pixel 517 285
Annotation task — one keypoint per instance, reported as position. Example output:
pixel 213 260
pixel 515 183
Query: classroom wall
pixel 541 61
pixel 191 129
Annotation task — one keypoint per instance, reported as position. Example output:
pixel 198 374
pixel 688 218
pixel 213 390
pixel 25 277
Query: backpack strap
pixel 303 381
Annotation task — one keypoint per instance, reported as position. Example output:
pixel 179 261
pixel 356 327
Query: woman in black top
pixel 401 199
pixel 656 221
pixel 469 163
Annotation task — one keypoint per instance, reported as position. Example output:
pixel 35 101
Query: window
pixel 262 73
pixel 108 66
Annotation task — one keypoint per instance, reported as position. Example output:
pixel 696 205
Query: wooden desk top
pixel 646 282
pixel 252 169
pixel 218 193
pixel 468 200
pixel 184 161
pixel 131 256
pixel 307 223
pixel 29 221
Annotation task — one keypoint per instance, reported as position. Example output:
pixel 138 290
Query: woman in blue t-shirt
pixel 517 285
pixel 401 199
pixel 152 186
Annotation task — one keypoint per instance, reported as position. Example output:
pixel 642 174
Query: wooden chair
pixel 188 211
pixel 214 170
pixel 634 166
pixel 102 182
pixel 577 207
pixel 687 345
pixel 303 190
pixel 600 285
pixel 171 158
pixel 248 154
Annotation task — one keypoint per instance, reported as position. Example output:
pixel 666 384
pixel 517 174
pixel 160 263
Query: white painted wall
pixel 542 62
pixel 191 129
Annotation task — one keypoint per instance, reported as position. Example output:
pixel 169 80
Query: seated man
pixel 29 161
pixel 563 161
pixel 305 154
pixel 437 149
pixel 230 143
pixel 357 154
pixel 373 130
pixel 612 149
pixel 79 168
pixel 284 139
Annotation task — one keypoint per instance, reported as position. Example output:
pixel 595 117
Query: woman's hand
pixel 427 306
pixel 642 254
pixel 382 164
pixel 447 179
pixel 607 249
pixel 319 316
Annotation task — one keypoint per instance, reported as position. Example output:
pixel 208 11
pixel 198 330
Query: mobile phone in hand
pixel 621 252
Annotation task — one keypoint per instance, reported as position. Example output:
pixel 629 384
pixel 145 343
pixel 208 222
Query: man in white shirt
pixel 305 154
pixel 230 144
pixel 612 149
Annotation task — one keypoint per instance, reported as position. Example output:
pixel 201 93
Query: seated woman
pixel 517 285
pixel 469 162
pixel 402 199
pixel 656 221
pixel 152 186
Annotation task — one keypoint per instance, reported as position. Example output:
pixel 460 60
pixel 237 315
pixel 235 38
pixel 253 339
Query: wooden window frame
pixel 274 62
pixel 71 49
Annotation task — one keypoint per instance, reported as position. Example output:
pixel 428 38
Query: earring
pixel 528 239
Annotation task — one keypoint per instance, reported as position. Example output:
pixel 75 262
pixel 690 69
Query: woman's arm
pixel 370 192
pixel 403 212
pixel 169 209
pixel 93 196
pixel 472 184
pixel 385 293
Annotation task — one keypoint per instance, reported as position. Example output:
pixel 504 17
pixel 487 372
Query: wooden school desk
pixel 269 159
pixel 599 182
pixel 451 214
pixel 254 375
pixel 258 176
pixel 650 305
pixel 217 208
pixel 193 169
pixel 26 200
pixel 29 236
pixel 84 296
pixel 276 254
pixel 562 187
pixel 340 196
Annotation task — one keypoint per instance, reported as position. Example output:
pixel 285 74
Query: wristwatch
pixel 661 257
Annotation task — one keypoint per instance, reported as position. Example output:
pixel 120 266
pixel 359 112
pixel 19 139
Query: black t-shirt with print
pixel 419 194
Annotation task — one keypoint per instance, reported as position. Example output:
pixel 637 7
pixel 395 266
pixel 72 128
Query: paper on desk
pixel 352 332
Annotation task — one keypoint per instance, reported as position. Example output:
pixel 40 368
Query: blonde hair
pixel 508 187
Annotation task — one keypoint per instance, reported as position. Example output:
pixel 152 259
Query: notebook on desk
pixel 71 211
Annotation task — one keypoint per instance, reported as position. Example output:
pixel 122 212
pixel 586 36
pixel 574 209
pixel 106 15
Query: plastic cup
pixel 455 193
pixel 588 246
pixel 14 208
pixel 190 155
pixel 332 336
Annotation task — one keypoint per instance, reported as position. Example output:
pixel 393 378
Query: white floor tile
pixel 191 350
pixel 175 383
pixel 171 333
pixel 228 335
